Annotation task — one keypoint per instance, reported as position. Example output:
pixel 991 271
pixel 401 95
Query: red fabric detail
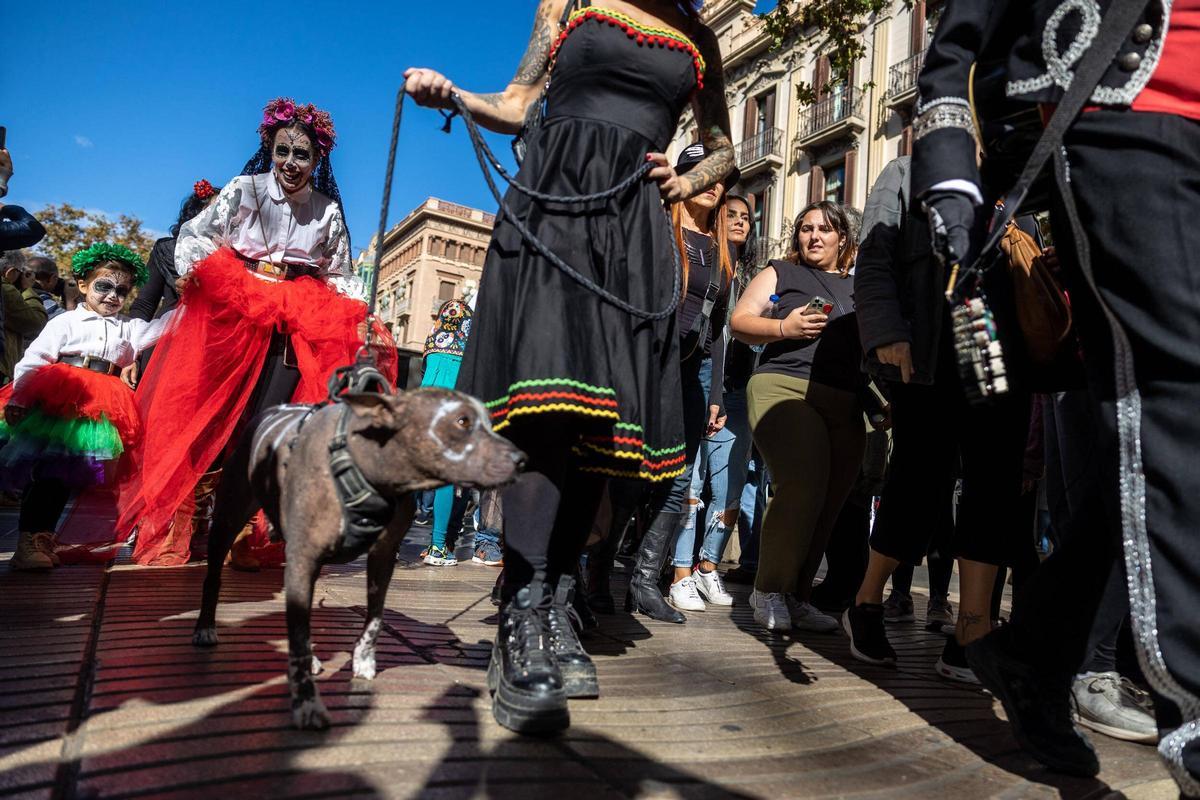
pixel 203 371
pixel 1174 88
pixel 61 390
pixel 267 553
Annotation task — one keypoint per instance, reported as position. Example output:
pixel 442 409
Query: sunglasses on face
pixel 103 288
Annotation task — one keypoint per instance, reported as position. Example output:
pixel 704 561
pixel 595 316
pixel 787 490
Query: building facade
pixel 792 153
pixel 433 255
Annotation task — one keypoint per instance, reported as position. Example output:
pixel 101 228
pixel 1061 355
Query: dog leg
pixel 235 504
pixel 300 575
pixel 381 562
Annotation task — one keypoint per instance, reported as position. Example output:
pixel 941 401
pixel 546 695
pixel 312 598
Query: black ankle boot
pixel 644 594
pixel 578 671
pixel 523 675
pixel 587 620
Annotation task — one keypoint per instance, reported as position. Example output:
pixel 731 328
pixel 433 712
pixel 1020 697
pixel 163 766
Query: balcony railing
pixel 400 306
pixel 767 142
pixel 902 77
pixel 766 249
pixel 843 107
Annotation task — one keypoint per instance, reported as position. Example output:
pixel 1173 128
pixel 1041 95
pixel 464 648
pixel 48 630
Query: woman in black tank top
pixel 804 408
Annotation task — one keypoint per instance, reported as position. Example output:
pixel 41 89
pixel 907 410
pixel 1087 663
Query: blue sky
pixel 120 107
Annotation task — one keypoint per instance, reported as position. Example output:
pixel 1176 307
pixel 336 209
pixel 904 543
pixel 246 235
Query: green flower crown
pixel 83 261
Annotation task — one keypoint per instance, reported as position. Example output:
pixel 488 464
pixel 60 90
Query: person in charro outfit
pixel 269 309
pixel 588 390
pixel 1132 153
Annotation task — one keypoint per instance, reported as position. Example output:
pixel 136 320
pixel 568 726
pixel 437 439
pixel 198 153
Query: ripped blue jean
pixel 721 463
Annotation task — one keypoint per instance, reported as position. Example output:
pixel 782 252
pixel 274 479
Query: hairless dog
pixel 400 443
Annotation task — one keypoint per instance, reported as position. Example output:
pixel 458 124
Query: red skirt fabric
pixel 60 390
pixel 198 383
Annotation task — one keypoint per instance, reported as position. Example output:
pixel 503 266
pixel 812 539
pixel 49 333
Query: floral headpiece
pixel 203 189
pixel 85 260
pixel 283 110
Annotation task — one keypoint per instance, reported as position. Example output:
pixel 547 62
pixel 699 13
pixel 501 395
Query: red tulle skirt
pixel 77 424
pixel 199 381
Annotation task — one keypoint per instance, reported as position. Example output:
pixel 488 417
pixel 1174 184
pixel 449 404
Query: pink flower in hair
pixel 285 110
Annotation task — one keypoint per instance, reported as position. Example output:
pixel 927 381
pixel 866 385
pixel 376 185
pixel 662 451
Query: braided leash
pixel 486 157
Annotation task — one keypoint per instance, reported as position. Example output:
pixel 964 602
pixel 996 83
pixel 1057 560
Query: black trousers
pixel 933 428
pixel 1135 181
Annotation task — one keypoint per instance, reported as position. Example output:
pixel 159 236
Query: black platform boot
pixel 578 671
pixel 644 594
pixel 523 675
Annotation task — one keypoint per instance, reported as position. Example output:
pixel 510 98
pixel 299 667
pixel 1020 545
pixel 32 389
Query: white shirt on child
pixel 83 332
pixel 255 217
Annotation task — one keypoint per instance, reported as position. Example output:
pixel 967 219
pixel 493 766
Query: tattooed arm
pixel 503 112
pixel 712 117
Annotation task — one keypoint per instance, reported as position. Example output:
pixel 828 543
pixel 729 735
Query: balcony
pixel 839 115
pixel 766 249
pixel 400 306
pixel 763 149
pixel 902 81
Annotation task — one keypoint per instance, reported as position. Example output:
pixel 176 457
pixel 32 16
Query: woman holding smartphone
pixel 805 411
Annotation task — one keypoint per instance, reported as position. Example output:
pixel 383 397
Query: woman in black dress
pixel 586 389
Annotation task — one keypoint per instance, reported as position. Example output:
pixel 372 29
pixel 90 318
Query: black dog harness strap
pixel 365 512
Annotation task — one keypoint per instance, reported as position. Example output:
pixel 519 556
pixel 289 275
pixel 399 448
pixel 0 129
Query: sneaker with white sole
pixel 1114 706
pixel 807 617
pixel 771 611
pixel 939 614
pixel 683 595
pixel 898 607
pixel 440 557
pixel 711 588
pixel 952 663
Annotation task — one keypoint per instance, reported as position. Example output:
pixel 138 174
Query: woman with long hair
pixel 804 408
pixel 270 308
pixel 721 464
pixel 584 377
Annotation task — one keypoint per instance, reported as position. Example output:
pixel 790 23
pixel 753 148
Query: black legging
pixel 549 511
pixel 42 505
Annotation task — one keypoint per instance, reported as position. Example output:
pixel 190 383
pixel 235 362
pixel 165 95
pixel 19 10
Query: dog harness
pixel 365 511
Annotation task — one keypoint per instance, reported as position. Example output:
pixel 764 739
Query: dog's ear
pixel 378 410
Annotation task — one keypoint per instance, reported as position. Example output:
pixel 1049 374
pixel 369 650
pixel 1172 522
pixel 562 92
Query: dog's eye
pixel 463 422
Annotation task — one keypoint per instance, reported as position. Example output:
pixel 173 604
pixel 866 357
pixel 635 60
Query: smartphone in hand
pixel 819 305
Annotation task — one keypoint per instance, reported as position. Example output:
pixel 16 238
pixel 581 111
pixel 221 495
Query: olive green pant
pixel 812 438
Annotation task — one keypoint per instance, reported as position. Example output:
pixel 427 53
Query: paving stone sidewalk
pixel 102 695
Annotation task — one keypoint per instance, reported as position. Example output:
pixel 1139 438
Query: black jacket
pixel 160 287
pixel 1006 38
pixel 18 228
pixel 898 284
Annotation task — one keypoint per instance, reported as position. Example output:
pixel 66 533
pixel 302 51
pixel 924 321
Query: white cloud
pixel 83 141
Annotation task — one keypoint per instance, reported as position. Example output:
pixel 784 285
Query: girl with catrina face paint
pixel 68 418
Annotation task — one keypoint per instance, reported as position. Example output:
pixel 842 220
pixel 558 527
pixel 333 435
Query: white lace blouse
pixel 259 221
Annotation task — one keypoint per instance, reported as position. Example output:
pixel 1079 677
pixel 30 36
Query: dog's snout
pixel 519 459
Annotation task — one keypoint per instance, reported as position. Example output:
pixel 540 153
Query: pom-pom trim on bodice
pixel 644 35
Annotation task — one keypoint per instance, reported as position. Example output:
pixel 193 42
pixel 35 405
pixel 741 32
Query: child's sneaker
pixel 489 554
pixel 440 557
pixel 28 555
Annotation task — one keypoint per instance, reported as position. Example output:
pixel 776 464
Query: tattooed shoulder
pixel 537 53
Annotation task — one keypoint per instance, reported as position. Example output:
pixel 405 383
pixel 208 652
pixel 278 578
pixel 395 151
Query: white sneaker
pixel 807 617
pixel 770 611
pixel 711 587
pixel 683 595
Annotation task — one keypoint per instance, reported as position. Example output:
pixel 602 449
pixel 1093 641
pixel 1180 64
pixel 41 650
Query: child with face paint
pixel 68 418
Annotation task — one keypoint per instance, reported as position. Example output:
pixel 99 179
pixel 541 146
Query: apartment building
pixel 791 153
